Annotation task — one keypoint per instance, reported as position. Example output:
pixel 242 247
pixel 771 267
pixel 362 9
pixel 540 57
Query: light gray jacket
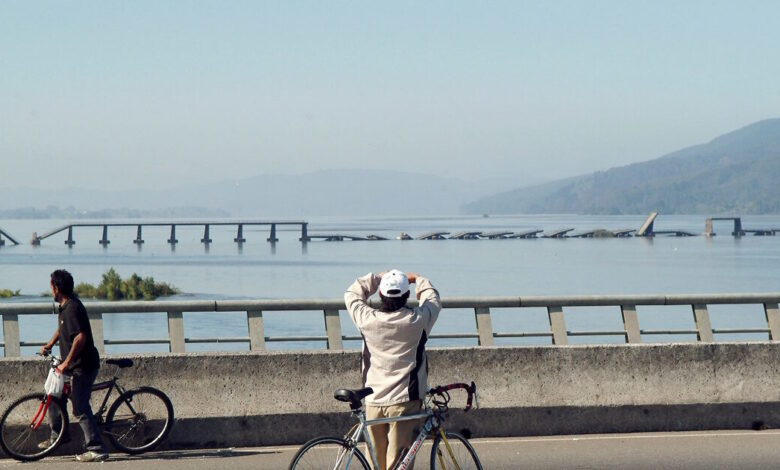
pixel 394 360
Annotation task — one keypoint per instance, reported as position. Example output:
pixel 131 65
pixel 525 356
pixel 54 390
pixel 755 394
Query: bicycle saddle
pixel 353 397
pixel 122 363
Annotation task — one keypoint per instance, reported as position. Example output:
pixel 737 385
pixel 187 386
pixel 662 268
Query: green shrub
pixel 112 287
pixel 7 293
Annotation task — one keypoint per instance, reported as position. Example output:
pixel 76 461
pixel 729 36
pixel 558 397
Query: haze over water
pixel 288 269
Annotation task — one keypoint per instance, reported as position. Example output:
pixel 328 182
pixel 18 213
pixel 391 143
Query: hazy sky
pixel 139 94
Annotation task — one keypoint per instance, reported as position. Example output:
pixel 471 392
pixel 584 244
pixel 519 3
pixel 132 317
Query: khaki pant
pixel 391 438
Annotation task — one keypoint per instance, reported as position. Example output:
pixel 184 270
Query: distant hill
pixel 738 172
pixel 322 193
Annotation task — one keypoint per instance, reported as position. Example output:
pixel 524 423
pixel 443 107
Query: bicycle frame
pixel 361 430
pixel 110 384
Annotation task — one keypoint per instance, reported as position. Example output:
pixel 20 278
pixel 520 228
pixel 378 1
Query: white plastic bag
pixel 54 383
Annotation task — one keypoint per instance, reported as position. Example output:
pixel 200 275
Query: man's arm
pixel 356 297
pixel 428 300
pixel 78 344
pixel 47 347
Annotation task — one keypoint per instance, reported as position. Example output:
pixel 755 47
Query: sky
pixel 144 94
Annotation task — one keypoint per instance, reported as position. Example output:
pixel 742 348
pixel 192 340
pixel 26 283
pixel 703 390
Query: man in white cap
pixel 394 360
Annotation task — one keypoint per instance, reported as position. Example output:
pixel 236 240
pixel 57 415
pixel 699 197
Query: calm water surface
pixel 288 269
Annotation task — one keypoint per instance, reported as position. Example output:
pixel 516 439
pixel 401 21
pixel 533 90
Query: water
pixel 288 269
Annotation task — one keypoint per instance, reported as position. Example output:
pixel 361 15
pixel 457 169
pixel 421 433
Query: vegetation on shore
pixel 113 287
pixel 7 293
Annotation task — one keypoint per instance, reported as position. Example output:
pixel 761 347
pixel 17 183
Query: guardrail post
pixel 703 326
pixel 631 323
pixel 333 329
pixel 557 325
pixel 773 321
pixel 11 335
pixel 254 319
pixel 272 237
pixel 96 323
pixel 176 331
pixel 484 326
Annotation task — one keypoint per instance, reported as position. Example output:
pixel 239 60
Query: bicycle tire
pixel 139 420
pixel 463 455
pixel 19 439
pixel 319 454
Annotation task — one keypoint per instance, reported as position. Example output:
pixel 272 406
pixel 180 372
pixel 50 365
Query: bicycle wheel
pixel 31 429
pixel 459 453
pixel 139 420
pixel 328 453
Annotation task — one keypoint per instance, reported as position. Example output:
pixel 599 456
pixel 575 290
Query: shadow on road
pixel 189 454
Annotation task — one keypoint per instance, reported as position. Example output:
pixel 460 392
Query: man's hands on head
pixel 412 277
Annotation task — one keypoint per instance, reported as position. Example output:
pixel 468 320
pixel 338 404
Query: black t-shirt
pixel 73 320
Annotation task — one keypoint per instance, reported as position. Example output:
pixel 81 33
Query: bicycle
pixel 137 421
pixel 450 450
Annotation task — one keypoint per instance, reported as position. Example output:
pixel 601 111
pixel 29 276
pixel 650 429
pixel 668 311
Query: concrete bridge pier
pixel 104 241
pixel 305 232
pixel 272 238
pixel 70 242
pixel 173 241
pixel 138 239
pixel 206 239
pixel 738 232
pixel 240 235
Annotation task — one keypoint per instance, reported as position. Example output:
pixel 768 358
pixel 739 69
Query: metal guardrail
pixel 334 338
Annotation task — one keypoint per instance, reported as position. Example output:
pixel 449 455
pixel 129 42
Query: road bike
pixel 137 421
pixel 450 450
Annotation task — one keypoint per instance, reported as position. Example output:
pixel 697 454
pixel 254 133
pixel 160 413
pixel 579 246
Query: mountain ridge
pixel 734 172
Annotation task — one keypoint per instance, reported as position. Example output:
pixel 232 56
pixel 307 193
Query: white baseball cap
pixel 394 283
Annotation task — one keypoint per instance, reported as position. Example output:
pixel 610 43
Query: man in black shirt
pixel 79 358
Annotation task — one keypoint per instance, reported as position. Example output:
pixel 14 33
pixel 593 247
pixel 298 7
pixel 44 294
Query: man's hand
pixel 45 349
pixel 63 367
pixel 412 277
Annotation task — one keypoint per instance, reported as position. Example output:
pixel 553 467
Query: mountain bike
pixel 137 421
pixel 450 450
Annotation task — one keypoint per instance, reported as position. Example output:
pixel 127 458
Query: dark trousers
pixel 81 390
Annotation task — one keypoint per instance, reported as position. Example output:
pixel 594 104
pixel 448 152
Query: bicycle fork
pixel 40 414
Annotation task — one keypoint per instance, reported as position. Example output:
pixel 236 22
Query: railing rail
pixel 334 338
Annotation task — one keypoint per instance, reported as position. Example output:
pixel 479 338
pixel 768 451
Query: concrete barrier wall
pixel 284 398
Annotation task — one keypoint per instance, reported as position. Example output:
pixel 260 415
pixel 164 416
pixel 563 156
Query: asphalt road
pixel 688 450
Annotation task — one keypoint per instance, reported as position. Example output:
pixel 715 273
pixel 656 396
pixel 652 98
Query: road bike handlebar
pixel 471 389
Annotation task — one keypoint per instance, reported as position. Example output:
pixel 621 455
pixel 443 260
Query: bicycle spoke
pixel 139 420
pixel 29 425
pixel 328 453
